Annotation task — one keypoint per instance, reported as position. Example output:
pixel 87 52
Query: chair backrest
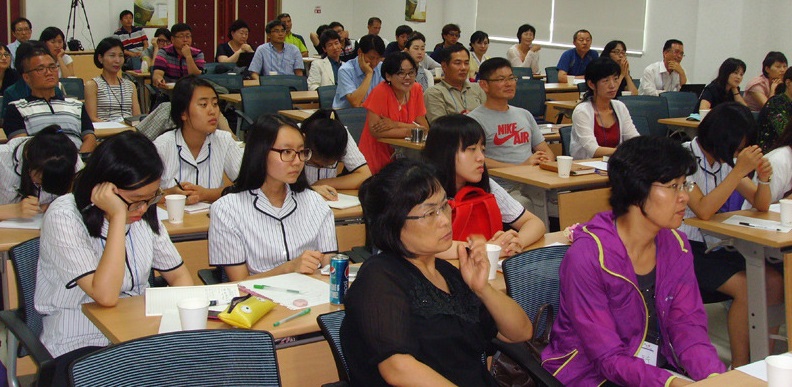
pixel 637 82
pixel 186 358
pixel 582 87
pixel 217 68
pixel 581 206
pixel 24 258
pixel 651 109
pixel 532 280
pixel 521 72
pixel 552 74
pixel 258 100
pixel 294 82
pixel 566 138
pixel 232 83
pixel 680 103
pixel 326 95
pixel 330 323
pixel 354 119
pixel 530 95
pixel 73 87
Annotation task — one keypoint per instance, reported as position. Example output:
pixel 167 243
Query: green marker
pixel 267 287
pixel 292 317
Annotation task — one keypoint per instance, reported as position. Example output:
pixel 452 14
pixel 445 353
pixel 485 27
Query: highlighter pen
pixel 267 287
pixel 292 317
pixel 178 184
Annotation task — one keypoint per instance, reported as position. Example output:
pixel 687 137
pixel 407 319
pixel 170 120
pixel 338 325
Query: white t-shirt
pixel 219 153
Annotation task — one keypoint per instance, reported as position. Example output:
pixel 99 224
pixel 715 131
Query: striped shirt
pixel 267 59
pixel 68 253
pixel 132 41
pixel 114 102
pixel 246 229
pixel 28 116
pixel 352 160
pixel 174 65
pixel 11 172
pixel 510 208
pixel 219 153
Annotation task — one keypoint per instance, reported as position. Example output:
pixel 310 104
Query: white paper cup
pixel 626 93
pixel 493 253
pixel 564 166
pixel 570 79
pixel 779 370
pixel 273 73
pixel 786 212
pixel 175 206
pixel 438 72
pixel 193 313
pixel 703 113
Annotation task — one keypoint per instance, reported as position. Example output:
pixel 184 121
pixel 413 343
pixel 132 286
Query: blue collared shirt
pixel 350 76
pixel 574 64
pixel 267 59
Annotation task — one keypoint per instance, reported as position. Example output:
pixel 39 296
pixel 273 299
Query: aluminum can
pixel 339 278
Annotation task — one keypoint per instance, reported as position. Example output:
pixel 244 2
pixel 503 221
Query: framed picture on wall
pixel 415 10
pixel 151 13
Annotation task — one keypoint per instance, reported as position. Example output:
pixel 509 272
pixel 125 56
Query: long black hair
pixel 53 155
pixel 451 134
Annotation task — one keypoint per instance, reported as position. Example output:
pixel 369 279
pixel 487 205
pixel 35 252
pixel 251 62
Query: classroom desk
pixel 140 83
pixel 681 124
pixel 731 378
pixel 298 115
pixel 756 245
pixel 552 88
pixel 101 133
pixel 564 108
pixel 542 186
pixel 310 96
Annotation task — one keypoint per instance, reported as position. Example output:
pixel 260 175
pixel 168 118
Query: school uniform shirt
pixel 245 228
pixel 69 253
pixel 352 160
pixel 219 153
pixel 510 208
pixel 11 172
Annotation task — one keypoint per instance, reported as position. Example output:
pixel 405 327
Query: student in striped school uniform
pixel 100 244
pixel 110 97
pixel 271 223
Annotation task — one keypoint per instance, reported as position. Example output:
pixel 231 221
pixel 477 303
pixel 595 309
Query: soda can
pixel 339 278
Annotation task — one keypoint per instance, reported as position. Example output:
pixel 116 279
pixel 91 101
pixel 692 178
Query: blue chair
pixel 217 68
pixel 330 324
pixel 552 74
pixel 530 95
pixel 566 138
pixel 521 72
pixel 326 95
pixel 258 100
pixel 645 110
pixel 637 82
pixel 680 103
pixel 354 119
pixel 232 83
pixel 293 82
pixel 188 358
pixel 73 87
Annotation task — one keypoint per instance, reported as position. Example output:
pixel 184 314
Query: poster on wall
pixel 415 11
pixel 151 13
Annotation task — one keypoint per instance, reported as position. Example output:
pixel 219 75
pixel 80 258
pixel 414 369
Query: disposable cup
pixel 193 313
pixel 703 113
pixel 438 72
pixel 564 166
pixel 779 370
pixel 175 206
pixel 273 73
pixel 493 253
pixel 786 212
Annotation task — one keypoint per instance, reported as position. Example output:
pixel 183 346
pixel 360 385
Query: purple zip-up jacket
pixel 602 320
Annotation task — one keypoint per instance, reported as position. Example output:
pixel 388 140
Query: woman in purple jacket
pixel 630 304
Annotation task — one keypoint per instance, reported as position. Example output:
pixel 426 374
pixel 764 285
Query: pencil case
pixel 245 311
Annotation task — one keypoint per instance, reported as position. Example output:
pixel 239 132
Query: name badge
pixel 648 353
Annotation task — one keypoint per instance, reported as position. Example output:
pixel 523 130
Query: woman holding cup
pixel 100 243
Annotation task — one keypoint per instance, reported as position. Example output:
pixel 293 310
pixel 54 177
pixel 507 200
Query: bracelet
pixel 763 182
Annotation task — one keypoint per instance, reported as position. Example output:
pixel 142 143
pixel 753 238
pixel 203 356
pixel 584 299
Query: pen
pixel 292 317
pixel 178 184
pixel 759 227
pixel 276 288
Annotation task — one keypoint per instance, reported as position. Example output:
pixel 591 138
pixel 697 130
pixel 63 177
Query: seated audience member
pixel 617 50
pixel 780 159
pixel 574 61
pixel 133 38
pixel 416 47
pixel 8 76
pixel 290 37
pixel 276 55
pixel 271 223
pixel 776 114
pixel 22 30
pixel 229 51
pixel 724 88
pixel 100 244
pixel 110 97
pixel 35 170
pixel 479 44
pixel 314 36
pixel 450 35
pixel 324 72
pixel 162 38
pixel 331 143
pixel 725 157
pixel 23 117
pixel 402 33
pixel 455 93
pixel 350 46
pixel 395 107
pixel 525 53
pixel 761 88
pixel 627 281
pixel 412 319
pixel 196 154
pixel 54 39
pixel 177 60
pixel 20 89
pixel 600 123
pixel 667 74
pixel 358 77
pixel 462 166
pixel 513 137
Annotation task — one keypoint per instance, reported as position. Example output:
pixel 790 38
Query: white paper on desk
pixel 170 321
pixel 760 224
pixel 162 214
pixel 33 223
pixel 313 291
pixel 159 300
pixel 195 208
pixel 344 201
pixel 775 208
pixel 758 369
pixel 109 125
pixel 309 111
pixel 601 165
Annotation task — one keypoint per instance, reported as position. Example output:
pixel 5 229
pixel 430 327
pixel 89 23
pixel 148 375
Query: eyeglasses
pixel 5 55
pixel 277 31
pixel 288 155
pixel 134 206
pixel 23 30
pixel 677 53
pixel 501 80
pixel 42 69
pixel 618 52
pixel 184 36
pixel 686 186
pixel 404 74
pixel 163 41
pixel 444 209
pixel 454 34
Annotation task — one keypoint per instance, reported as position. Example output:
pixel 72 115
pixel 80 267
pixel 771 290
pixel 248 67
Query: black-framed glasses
pixel 444 209
pixel 288 155
pixel 686 186
pixel 42 69
pixel 404 74
pixel 502 80
pixel 134 206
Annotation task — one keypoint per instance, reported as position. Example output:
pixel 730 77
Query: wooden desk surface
pixel 138 74
pixel 731 378
pixel 562 105
pixel 104 133
pixel 559 88
pixel 297 97
pixel 402 143
pixel 535 176
pixel 679 121
pixel 298 115
pixel 766 238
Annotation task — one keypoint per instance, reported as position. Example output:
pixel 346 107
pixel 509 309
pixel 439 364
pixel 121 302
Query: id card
pixel 648 353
